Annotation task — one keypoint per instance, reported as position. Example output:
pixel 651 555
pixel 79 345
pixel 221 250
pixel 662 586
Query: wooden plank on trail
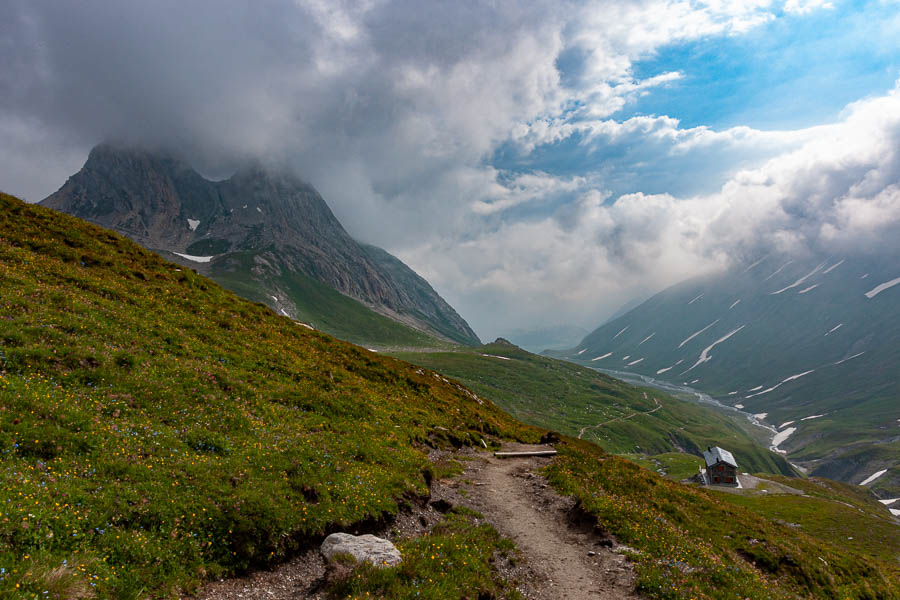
pixel 525 454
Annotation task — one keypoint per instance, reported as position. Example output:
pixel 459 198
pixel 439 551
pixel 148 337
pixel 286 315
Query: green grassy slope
pixel 694 543
pixel 829 510
pixel 156 431
pixel 323 307
pixel 572 399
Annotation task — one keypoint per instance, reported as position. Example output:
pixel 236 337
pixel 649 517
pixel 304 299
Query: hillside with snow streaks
pixel 804 337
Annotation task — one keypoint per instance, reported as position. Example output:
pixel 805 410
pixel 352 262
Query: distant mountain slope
pixel 814 344
pixel 557 337
pixel 281 224
pixel 619 417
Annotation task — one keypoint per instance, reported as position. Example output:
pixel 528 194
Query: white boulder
pixel 376 550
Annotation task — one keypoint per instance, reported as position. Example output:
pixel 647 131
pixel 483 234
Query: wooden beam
pixel 525 454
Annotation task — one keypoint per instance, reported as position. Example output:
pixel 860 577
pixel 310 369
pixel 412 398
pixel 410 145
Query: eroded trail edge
pixel 560 554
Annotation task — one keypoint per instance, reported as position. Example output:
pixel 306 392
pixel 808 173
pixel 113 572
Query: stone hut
pixel 721 468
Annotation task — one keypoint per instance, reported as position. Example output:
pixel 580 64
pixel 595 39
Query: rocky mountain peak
pixel 165 205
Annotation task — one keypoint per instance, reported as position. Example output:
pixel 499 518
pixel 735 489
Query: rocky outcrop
pixel 272 221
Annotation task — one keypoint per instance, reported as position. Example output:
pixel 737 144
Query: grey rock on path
pixel 376 550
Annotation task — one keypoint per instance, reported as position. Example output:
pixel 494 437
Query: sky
pixel 539 163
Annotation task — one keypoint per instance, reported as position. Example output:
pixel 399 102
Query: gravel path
pixel 566 558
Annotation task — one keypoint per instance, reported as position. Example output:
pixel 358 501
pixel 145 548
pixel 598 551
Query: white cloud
pixel 802 7
pixel 831 186
pixel 394 111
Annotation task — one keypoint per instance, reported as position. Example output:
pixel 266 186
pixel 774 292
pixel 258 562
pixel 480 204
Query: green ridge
pixel 324 308
pixel 568 398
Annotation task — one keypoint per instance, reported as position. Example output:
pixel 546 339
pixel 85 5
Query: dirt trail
pixel 565 559
pixel 560 556
pixel 634 414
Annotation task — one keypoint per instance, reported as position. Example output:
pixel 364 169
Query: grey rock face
pixel 376 550
pixel 164 205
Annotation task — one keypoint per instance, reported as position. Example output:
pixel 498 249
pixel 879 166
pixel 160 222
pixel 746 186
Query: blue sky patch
pixel 793 72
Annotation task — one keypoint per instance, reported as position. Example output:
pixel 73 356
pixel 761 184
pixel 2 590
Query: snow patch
pixel 284 312
pixel 895 512
pixel 873 477
pixel 308 326
pixel 778 271
pixel 849 358
pixel 889 501
pixel 878 289
pixel 785 424
pixel 647 338
pixel 275 298
pixel 812 417
pixel 607 355
pixel 800 281
pixel 581 352
pixel 258 209
pixel 495 356
pixel 835 328
pixel 732 393
pixel 661 371
pixel 201 259
pixel 833 267
pixel 735 303
pixel 756 263
pixel 192 224
pixel 809 289
pixel 779 384
pixel 695 299
pixel 759 387
pixel 739 406
pixel 864 276
pixel 634 362
pixel 621 332
pixel 704 356
pixel 761 415
pixel 627 357
pixel 696 333
pixel 693 382
pixel 780 437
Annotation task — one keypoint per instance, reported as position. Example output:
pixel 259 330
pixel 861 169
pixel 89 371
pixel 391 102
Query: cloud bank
pixel 481 142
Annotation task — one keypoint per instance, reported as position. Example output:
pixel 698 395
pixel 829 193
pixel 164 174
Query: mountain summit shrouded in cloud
pixel 555 159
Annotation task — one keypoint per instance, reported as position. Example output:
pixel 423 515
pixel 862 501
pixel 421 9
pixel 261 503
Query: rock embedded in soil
pixel 378 551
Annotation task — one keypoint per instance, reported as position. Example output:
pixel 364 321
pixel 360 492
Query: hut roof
pixel 715 455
